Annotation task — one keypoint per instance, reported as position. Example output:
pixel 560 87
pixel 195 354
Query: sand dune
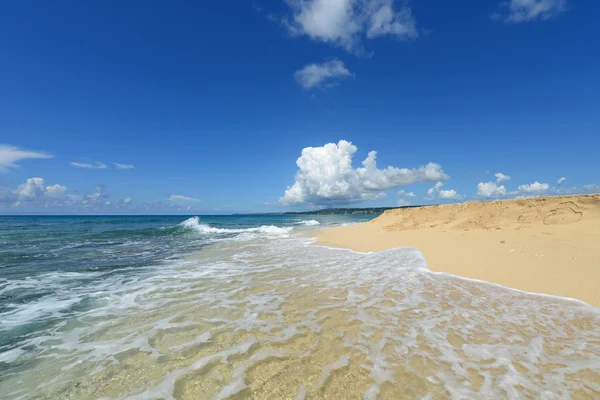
pixel 545 245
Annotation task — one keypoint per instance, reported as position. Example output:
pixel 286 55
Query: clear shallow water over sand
pixel 249 309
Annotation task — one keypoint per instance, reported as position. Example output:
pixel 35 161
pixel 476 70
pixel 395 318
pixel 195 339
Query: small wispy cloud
pixel 404 193
pixel 10 155
pixel 500 177
pixel 178 197
pixel 123 166
pixel 403 203
pixel 561 180
pixel 531 10
pixel 326 74
pixel 97 165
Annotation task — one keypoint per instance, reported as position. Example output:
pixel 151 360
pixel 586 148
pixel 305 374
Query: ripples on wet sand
pixel 277 318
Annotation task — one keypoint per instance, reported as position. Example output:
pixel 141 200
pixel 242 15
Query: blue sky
pixel 212 103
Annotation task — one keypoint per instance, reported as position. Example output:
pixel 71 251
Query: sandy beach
pixel 548 245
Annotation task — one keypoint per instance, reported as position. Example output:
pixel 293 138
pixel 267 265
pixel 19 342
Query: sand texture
pixel 547 245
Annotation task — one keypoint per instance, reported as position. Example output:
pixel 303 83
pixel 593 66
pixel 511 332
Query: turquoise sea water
pixel 50 266
pixel 236 307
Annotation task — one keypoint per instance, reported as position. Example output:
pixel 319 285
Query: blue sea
pixel 235 307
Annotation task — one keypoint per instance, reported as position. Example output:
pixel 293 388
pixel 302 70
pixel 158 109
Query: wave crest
pixel 269 230
pixel 310 222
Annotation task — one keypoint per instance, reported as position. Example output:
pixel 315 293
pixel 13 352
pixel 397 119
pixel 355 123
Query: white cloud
pixel 592 188
pixel 100 195
pixel 97 165
pixel 403 203
pixel 10 155
pixel 178 197
pixel 403 193
pixel 56 191
pixel 326 176
pixel 436 191
pixel 561 180
pixel 326 74
pixel 123 166
pixel 530 10
pixel 449 195
pixel 490 189
pixel 500 177
pixel 533 188
pixel 346 23
pixel 34 196
pixel 32 189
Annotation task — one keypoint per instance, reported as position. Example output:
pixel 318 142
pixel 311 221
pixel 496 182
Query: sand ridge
pixel 545 245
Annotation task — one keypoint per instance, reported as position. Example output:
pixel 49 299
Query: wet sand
pixel 548 245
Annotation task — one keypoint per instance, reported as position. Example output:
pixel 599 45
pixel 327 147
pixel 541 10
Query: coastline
pixel 545 245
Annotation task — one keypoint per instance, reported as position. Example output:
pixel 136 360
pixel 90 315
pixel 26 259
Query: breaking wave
pixel 269 230
pixel 311 222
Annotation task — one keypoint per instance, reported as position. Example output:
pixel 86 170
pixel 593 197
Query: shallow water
pixel 261 313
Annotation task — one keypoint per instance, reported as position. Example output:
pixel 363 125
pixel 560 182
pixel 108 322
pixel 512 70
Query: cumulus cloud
pixel 437 192
pixel 490 190
pixel 326 74
pixel 178 197
pixel 403 193
pixel 97 165
pixel 534 188
pixel 449 195
pixel 530 10
pixel 123 166
pixel 56 191
pixel 35 196
pixel 435 189
pixel 347 23
pixel 403 203
pixel 32 189
pixel 500 177
pixel 561 180
pixel 10 155
pixel 326 176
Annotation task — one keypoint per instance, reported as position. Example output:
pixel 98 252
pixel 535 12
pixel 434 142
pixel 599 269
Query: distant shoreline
pixel 543 245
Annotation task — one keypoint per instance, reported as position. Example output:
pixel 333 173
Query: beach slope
pixel 547 245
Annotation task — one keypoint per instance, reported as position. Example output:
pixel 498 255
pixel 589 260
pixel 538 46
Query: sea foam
pixel 311 222
pixel 269 230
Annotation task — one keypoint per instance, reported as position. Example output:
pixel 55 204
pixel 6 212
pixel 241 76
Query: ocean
pixel 236 307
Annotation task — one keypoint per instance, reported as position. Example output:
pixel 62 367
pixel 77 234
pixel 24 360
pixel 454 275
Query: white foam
pixel 11 355
pixel 398 309
pixel 311 222
pixel 268 230
pixel 342 362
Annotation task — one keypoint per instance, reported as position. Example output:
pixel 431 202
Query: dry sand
pixel 545 245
